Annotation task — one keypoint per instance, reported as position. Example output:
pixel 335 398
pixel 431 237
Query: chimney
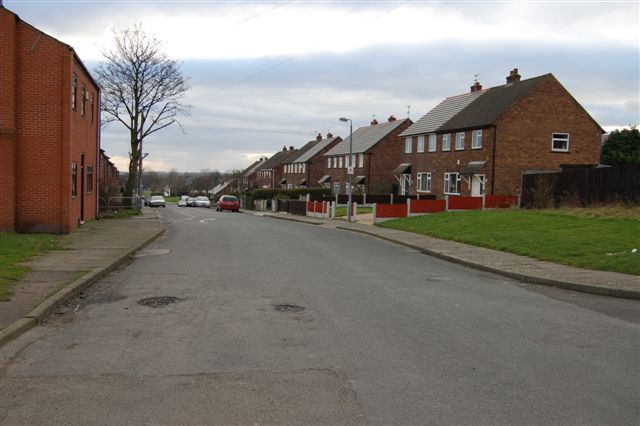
pixel 291 148
pixel 392 118
pixel 476 87
pixel 284 148
pixel 319 137
pixel 329 135
pixel 513 77
pixel 374 122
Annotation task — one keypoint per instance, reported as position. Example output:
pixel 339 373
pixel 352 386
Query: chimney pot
pixel 374 122
pixel 319 137
pixel 392 118
pixel 513 77
pixel 329 135
pixel 284 148
pixel 476 87
pixel 291 148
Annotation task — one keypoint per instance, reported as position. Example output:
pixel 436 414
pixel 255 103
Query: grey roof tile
pixel 314 149
pixel 366 137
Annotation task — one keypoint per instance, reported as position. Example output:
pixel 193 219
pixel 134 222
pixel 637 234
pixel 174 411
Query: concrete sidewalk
pixel 521 268
pixel 86 255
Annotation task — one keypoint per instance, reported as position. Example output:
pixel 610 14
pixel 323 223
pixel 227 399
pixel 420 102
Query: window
pixel 326 185
pixel 459 141
pixel 340 162
pixel 346 161
pixel 446 142
pixel 84 99
pixel 408 145
pixel 432 143
pixel 353 160
pixel 74 179
pixel 90 178
pixel 303 167
pixel 451 183
pixel 560 142
pixel 361 161
pixel 476 141
pixel 74 92
pixel 328 163
pixel 335 162
pixel 420 147
pixel 424 182
pixel 92 107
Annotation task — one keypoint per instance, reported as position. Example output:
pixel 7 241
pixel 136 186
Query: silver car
pixel 157 201
pixel 203 202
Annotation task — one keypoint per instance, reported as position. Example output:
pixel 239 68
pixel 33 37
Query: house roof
pixel 314 149
pixel 443 112
pixel 366 137
pixel 276 159
pixel 220 187
pixel 486 108
pixel 252 168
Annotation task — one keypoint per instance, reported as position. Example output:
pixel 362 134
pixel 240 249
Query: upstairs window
pixel 74 92
pixel 459 141
pixel 328 163
pixel 560 142
pixel 420 147
pixel 335 162
pixel 92 107
pixel 361 161
pixel 408 145
pixel 340 162
pixel 476 140
pixel 84 100
pixel 432 143
pixel 446 142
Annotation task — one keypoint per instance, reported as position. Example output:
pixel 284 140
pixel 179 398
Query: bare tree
pixel 142 89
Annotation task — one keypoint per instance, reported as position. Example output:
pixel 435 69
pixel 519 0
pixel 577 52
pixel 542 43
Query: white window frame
pixel 304 166
pixel 433 143
pixel 420 147
pixel 408 145
pixel 447 182
pixel 335 162
pixel 446 142
pixel 339 162
pixel 476 139
pixel 459 141
pixel 427 184
pixel 559 137
pixel 361 161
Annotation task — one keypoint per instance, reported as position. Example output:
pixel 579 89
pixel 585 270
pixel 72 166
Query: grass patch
pixel 16 248
pixel 342 211
pixel 120 213
pixel 172 199
pixel 601 238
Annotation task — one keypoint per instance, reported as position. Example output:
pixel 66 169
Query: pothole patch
pixel 157 302
pixel 152 252
pixel 288 308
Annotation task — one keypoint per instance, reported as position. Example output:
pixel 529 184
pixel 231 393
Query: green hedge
pixel 291 194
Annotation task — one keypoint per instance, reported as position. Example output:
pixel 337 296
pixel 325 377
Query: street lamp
pixel 350 166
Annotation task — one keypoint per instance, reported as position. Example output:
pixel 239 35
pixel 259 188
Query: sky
pixel 265 74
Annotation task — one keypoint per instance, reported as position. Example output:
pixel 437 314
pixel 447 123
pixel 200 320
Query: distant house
pixel 109 180
pixel 269 173
pixel 375 152
pixel 249 176
pixel 307 166
pixel 482 141
pixel 49 132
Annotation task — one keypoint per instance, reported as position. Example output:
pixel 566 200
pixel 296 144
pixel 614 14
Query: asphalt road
pixel 284 323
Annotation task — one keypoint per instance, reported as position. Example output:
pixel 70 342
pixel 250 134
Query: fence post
pixel 324 210
pixel 408 207
pixel 484 202
pixel 333 210
pixel 446 203
pixel 364 199
pixel 391 198
pixel 354 212
pixel 375 205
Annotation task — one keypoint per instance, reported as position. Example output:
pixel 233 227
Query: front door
pixel 477 185
pixel 405 183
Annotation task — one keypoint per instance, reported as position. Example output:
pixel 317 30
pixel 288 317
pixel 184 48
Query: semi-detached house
pixel 306 168
pixel 483 141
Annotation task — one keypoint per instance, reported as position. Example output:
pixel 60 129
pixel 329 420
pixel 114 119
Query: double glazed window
pixel 89 178
pixel 476 140
pixel 408 145
pixel 446 142
pixel 424 182
pixel 560 142
pixel 451 183
pixel 432 143
pixel 74 179
pixel 74 92
pixel 420 147
pixel 459 141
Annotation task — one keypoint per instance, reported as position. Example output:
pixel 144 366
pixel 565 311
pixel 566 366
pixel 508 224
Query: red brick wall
pixel 7 121
pixel 49 135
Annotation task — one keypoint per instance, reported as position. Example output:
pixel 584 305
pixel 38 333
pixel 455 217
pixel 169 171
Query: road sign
pixel 350 170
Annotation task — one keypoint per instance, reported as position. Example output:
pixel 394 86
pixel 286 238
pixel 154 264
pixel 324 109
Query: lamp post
pixel 350 166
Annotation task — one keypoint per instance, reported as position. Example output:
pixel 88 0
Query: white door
pixel 405 183
pixel 477 185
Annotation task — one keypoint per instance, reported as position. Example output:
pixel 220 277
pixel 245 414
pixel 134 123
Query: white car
pixel 203 202
pixel 182 203
pixel 157 201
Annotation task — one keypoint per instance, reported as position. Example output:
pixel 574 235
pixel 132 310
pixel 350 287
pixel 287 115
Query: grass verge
pixel 16 248
pixel 601 239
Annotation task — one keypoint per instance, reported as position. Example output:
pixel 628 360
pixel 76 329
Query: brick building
pixel 306 168
pixel 49 132
pixel 109 180
pixel 375 152
pixel 269 173
pixel 482 141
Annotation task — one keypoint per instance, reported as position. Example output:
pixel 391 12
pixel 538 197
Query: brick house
pixel 306 168
pixel 482 141
pixel 269 173
pixel 109 178
pixel 375 152
pixel 49 132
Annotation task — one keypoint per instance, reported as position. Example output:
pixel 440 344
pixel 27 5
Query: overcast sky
pixel 268 74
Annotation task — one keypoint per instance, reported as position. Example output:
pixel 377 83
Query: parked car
pixel 191 202
pixel 203 201
pixel 157 201
pixel 182 203
pixel 228 202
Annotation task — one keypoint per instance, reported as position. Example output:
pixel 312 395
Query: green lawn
pixel 15 248
pixel 600 239
pixel 342 211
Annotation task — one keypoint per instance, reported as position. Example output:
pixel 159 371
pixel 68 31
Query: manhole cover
pixel 288 308
pixel 155 302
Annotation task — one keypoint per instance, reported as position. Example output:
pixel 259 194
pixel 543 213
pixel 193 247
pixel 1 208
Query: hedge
pixel 291 194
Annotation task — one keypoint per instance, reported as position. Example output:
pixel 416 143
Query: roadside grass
pixel 16 248
pixel 597 238
pixel 342 211
pixel 172 199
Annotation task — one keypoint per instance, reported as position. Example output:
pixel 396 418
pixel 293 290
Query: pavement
pixel 100 246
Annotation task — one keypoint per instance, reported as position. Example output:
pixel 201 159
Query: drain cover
pixel 155 302
pixel 288 308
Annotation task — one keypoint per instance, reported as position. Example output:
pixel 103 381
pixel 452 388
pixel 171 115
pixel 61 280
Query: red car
pixel 228 202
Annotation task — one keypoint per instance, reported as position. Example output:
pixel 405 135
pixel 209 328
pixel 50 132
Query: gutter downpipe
pixel 493 159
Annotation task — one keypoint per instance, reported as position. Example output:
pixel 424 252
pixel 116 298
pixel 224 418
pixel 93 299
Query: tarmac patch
pixel 152 252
